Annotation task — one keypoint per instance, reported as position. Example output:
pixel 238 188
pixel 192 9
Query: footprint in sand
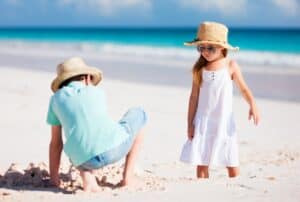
pixel 271 178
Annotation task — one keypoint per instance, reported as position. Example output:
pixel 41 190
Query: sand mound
pixel 37 176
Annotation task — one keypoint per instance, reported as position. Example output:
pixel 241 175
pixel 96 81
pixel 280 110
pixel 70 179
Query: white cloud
pixel 233 7
pixel 107 7
pixel 290 7
pixel 227 7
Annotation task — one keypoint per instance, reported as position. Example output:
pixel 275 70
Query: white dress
pixel 215 139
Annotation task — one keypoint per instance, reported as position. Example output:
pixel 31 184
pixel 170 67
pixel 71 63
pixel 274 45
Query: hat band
pixel 224 42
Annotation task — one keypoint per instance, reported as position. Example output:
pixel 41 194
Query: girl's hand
pixel 253 114
pixel 191 130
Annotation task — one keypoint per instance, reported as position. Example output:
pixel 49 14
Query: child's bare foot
pixel 134 180
pixel 89 182
pixel 93 189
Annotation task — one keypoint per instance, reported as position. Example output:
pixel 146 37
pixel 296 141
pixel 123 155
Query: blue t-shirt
pixel 81 111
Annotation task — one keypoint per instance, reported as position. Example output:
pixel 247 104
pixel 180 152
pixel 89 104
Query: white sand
pixel 269 153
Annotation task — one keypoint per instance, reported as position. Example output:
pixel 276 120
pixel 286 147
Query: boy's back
pixel 88 129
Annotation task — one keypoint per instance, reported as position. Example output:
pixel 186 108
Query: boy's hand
pixel 52 183
pixel 253 114
pixel 55 181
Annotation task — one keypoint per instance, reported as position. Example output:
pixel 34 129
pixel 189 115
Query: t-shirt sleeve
pixel 51 116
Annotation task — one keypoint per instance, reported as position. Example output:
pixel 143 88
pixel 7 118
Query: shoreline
pixel 267 82
pixel 157 54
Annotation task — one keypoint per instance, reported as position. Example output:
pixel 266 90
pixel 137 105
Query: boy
pixel 92 138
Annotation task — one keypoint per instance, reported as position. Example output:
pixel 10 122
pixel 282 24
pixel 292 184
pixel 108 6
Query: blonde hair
pixel 198 66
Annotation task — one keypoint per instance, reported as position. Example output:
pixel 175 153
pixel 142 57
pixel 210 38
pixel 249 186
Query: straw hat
pixel 73 67
pixel 212 33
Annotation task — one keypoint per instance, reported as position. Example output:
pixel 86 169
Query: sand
pixel 269 153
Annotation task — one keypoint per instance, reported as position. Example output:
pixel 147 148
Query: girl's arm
pixel 245 91
pixel 193 103
pixel 55 149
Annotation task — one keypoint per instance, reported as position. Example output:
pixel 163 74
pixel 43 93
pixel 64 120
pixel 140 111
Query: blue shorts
pixel 132 121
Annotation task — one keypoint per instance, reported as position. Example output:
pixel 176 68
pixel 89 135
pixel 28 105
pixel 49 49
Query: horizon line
pixel 135 27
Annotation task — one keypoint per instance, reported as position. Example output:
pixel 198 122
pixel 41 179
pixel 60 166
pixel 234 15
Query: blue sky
pixel 153 13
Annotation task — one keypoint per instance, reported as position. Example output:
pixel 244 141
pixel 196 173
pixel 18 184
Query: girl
pixel 212 138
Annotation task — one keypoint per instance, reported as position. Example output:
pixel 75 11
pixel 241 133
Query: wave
pixel 244 57
pixel 146 52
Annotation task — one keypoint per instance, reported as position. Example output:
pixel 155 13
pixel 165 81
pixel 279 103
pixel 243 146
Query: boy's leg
pixel 233 171
pixel 133 121
pixel 130 159
pixel 89 181
pixel 202 172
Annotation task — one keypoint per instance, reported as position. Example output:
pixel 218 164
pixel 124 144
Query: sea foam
pixel 148 52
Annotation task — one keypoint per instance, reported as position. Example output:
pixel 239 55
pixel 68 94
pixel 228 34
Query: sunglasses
pixel 210 49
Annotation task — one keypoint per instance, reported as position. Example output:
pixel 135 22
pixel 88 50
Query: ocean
pixel 257 46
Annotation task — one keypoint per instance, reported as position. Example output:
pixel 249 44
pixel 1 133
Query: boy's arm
pixel 245 91
pixel 55 149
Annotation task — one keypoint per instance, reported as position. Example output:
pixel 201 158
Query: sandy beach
pixel 269 153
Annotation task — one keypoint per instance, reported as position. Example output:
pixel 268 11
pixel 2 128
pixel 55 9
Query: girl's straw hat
pixel 73 67
pixel 212 33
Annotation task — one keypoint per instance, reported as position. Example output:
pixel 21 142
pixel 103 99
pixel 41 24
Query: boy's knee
pixel 139 115
pixel 134 120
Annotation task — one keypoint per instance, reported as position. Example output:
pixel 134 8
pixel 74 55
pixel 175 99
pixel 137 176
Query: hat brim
pixel 93 71
pixel 198 42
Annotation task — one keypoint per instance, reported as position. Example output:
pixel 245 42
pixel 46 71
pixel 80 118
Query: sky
pixel 149 13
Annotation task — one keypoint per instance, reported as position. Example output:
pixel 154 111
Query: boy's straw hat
pixel 212 33
pixel 73 67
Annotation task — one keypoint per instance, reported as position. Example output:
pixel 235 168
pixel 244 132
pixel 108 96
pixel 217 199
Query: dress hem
pixel 208 164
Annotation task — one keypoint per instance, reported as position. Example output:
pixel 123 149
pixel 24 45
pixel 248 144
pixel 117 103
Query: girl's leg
pixel 233 171
pixel 89 181
pixel 130 160
pixel 202 172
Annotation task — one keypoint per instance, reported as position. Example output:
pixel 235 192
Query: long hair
pixel 198 66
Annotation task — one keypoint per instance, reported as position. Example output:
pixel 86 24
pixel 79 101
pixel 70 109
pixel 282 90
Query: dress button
pixel 213 76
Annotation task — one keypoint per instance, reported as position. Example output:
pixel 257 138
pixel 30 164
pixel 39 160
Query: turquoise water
pixel 272 40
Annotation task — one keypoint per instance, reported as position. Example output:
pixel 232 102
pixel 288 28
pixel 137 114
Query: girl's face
pixel 210 52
